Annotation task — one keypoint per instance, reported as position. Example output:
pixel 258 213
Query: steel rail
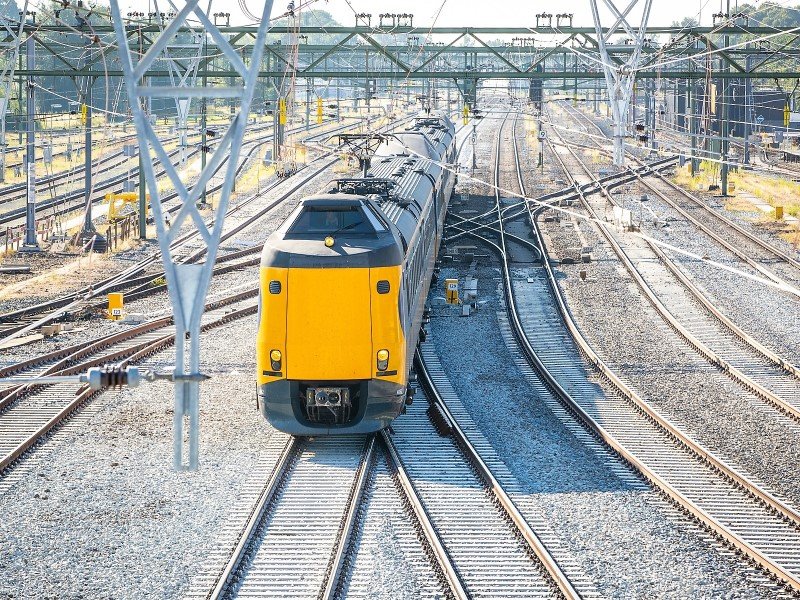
pixel 332 582
pixel 234 570
pixel 721 317
pixel 442 557
pixel 76 198
pixel 223 583
pixel 661 422
pixel 66 359
pixel 532 540
pixel 777 252
pixel 114 282
pixel 699 346
pixel 132 354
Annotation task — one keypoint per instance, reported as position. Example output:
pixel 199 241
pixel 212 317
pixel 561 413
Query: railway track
pixel 740 512
pixel 697 321
pixel 31 411
pixel 293 535
pixel 478 543
pixel 46 182
pixel 747 517
pixel 16 323
pixel 299 534
pixel 70 201
pixel 769 260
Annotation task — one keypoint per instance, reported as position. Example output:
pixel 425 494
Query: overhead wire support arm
pixel 183 76
pixel 188 283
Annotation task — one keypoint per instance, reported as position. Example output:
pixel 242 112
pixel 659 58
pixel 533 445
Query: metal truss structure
pixel 620 74
pixel 12 32
pixel 180 59
pixel 459 54
pixel 183 59
pixel 188 283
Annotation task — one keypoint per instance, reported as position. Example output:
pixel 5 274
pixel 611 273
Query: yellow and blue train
pixel 343 286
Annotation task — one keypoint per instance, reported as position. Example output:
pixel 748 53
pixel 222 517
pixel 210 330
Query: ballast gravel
pixel 760 310
pixel 636 344
pixel 626 538
pixel 105 516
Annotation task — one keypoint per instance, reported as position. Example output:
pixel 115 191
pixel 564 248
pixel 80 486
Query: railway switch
pixel 116 306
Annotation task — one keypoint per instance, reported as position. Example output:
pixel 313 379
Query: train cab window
pixel 330 220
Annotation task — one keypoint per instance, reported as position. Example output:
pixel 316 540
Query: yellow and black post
pixel 451 291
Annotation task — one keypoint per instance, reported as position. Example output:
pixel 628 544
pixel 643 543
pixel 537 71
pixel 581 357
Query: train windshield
pixel 330 220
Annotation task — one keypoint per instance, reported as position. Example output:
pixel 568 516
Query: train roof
pixel 398 183
pixel 428 136
pixel 374 244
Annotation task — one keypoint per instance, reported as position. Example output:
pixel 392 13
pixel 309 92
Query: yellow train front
pixel 343 286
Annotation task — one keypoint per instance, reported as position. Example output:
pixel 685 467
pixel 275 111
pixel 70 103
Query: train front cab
pixel 331 347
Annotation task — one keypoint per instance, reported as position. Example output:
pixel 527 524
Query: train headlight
pixel 329 241
pixel 383 360
pixel 275 358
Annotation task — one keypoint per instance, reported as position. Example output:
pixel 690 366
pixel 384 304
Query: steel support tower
pixel 188 283
pixel 620 75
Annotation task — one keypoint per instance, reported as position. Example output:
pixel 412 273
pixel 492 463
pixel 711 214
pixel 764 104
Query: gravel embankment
pixel 762 311
pixel 104 498
pixel 625 538
pixel 633 340
pixel 622 534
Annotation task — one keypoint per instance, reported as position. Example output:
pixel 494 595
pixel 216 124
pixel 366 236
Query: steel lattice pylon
pixel 188 283
pixel 620 76
pixel 183 73
pixel 12 30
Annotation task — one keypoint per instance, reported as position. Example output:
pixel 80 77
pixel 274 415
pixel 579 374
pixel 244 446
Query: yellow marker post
pixel 319 111
pixel 282 111
pixel 786 114
pixel 466 113
pixel 84 111
pixel 779 212
pixel 115 306
pixel 451 290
